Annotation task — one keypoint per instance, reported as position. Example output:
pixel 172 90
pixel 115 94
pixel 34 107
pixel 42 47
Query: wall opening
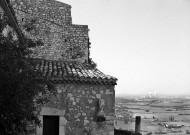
pixel 50 125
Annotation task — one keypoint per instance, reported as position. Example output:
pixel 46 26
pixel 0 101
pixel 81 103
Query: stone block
pixel 61 130
pixel 62 121
pixel 107 91
pixel 110 127
pixel 39 130
pixel 83 92
pixel 98 96
pixel 93 92
pixel 72 98
pixel 90 101
pixel 110 118
pixel 59 96
pixel 52 111
pixel 84 114
pixel 69 95
pixel 111 133
pixel 86 122
pixel 59 90
pixel 110 122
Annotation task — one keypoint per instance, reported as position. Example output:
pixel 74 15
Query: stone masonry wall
pixel 51 10
pixel 77 107
pixel 50 21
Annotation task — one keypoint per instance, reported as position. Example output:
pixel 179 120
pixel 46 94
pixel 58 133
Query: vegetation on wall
pixel 30 25
pixel 18 85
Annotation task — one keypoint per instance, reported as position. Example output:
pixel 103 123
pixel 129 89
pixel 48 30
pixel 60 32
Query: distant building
pixel 151 95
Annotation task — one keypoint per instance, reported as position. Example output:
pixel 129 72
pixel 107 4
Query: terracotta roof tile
pixel 60 71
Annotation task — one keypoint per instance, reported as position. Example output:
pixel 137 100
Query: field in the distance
pixel 169 116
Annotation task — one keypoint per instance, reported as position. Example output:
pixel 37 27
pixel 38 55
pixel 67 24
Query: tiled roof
pixel 72 72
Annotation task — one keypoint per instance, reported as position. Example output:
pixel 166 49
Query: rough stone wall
pixel 50 21
pixel 77 107
pixel 51 10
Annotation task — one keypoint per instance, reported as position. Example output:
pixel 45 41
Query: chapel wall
pixel 77 104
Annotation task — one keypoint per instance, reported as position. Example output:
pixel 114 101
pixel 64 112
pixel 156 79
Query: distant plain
pixel 155 112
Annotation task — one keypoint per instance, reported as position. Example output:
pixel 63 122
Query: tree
pixel 128 117
pixel 171 118
pixel 18 84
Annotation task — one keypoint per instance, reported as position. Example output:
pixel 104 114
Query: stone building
pixel 80 97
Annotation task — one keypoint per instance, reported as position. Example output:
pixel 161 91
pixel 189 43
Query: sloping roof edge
pixel 70 72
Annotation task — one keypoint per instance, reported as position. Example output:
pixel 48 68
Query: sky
pixel 143 43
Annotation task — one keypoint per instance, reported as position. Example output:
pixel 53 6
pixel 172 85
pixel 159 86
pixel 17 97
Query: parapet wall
pixel 51 10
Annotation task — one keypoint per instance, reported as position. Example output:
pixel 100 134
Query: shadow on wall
pixel 124 132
